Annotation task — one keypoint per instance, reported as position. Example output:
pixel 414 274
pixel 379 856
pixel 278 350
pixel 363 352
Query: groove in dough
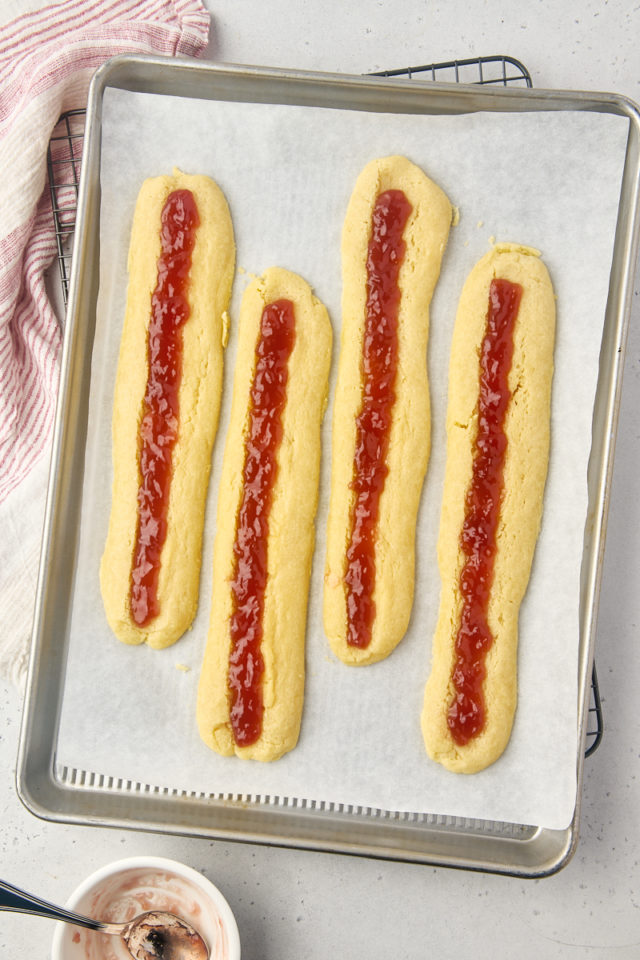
pixel 291 524
pixel 199 398
pixel 527 428
pixel 425 235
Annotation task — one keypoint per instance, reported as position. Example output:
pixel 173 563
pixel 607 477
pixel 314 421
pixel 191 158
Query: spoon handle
pixel 18 901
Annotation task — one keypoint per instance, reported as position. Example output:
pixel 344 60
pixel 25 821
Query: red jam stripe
pixel 466 715
pixel 379 365
pixel 159 425
pixel 249 581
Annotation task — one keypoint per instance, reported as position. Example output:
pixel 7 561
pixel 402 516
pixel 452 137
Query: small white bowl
pixel 121 890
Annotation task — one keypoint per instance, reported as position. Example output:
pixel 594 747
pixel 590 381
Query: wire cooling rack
pixel 64 159
pixel 498 71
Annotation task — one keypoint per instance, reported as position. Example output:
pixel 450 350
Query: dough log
pixel 527 431
pixel 290 529
pixel 203 335
pixel 425 236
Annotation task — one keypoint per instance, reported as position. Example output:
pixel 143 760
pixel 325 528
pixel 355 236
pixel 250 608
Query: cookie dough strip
pixel 252 681
pixel 130 612
pixel 358 637
pixel 467 721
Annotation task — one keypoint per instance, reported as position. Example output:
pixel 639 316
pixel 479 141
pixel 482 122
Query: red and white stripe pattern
pixel 47 59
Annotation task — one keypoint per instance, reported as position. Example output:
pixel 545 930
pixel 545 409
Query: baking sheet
pixel 551 180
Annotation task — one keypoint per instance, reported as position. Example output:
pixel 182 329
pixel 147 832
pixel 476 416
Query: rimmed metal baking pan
pixel 59 793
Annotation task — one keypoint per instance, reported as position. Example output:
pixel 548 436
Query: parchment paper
pixel 549 180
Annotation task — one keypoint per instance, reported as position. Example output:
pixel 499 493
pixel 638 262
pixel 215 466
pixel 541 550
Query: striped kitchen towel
pixel 47 59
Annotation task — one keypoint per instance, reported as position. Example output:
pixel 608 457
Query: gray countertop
pixel 291 904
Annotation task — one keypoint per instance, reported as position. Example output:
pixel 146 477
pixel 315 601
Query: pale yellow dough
pixel 426 236
pixel 199 402
pixel 527 428
pixel 291 524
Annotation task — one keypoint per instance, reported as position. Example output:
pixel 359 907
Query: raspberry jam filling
pixel 373 425
pixel 466 716
pixel 249 581
pixel 158 430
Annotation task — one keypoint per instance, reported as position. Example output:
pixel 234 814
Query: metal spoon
pixel 151 935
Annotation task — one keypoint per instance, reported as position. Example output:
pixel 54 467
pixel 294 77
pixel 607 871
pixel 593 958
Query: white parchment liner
pixel 548 180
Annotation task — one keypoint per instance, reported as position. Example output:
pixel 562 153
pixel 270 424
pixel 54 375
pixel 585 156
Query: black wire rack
pixel 64 159
pixel 497 70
